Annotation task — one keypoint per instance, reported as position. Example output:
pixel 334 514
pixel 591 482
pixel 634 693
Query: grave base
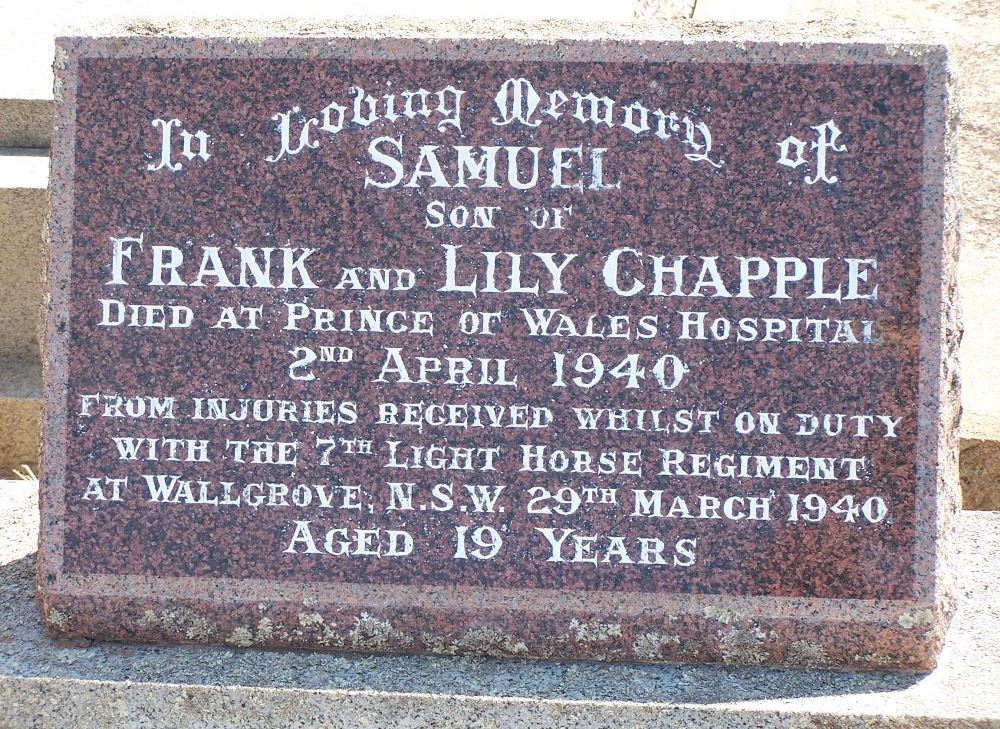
pixel 88 684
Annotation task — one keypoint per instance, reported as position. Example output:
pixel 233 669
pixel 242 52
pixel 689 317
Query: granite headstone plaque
pixel 630 348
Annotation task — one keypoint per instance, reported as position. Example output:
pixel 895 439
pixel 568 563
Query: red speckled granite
pixel 837 593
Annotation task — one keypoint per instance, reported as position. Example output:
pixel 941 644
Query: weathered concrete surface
pixel 23 204
pixel 23 207
pixel 25 122
pixel 980 473
pixel 20 412
pixel 86 684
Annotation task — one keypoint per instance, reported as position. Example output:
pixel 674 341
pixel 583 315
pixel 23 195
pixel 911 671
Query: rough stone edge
pixel 57 232
pixel 256 31
pixel 905 640
pixel 948 500
pixel 746 643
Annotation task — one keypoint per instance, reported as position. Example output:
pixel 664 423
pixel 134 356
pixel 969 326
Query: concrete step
pixel 87 684
pixel 26 122
pixel 23 207
pixel 20 414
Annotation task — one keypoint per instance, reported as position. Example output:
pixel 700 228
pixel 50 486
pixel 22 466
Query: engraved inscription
pixel 511 325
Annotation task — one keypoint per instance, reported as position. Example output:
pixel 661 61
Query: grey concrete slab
pixel 86 684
